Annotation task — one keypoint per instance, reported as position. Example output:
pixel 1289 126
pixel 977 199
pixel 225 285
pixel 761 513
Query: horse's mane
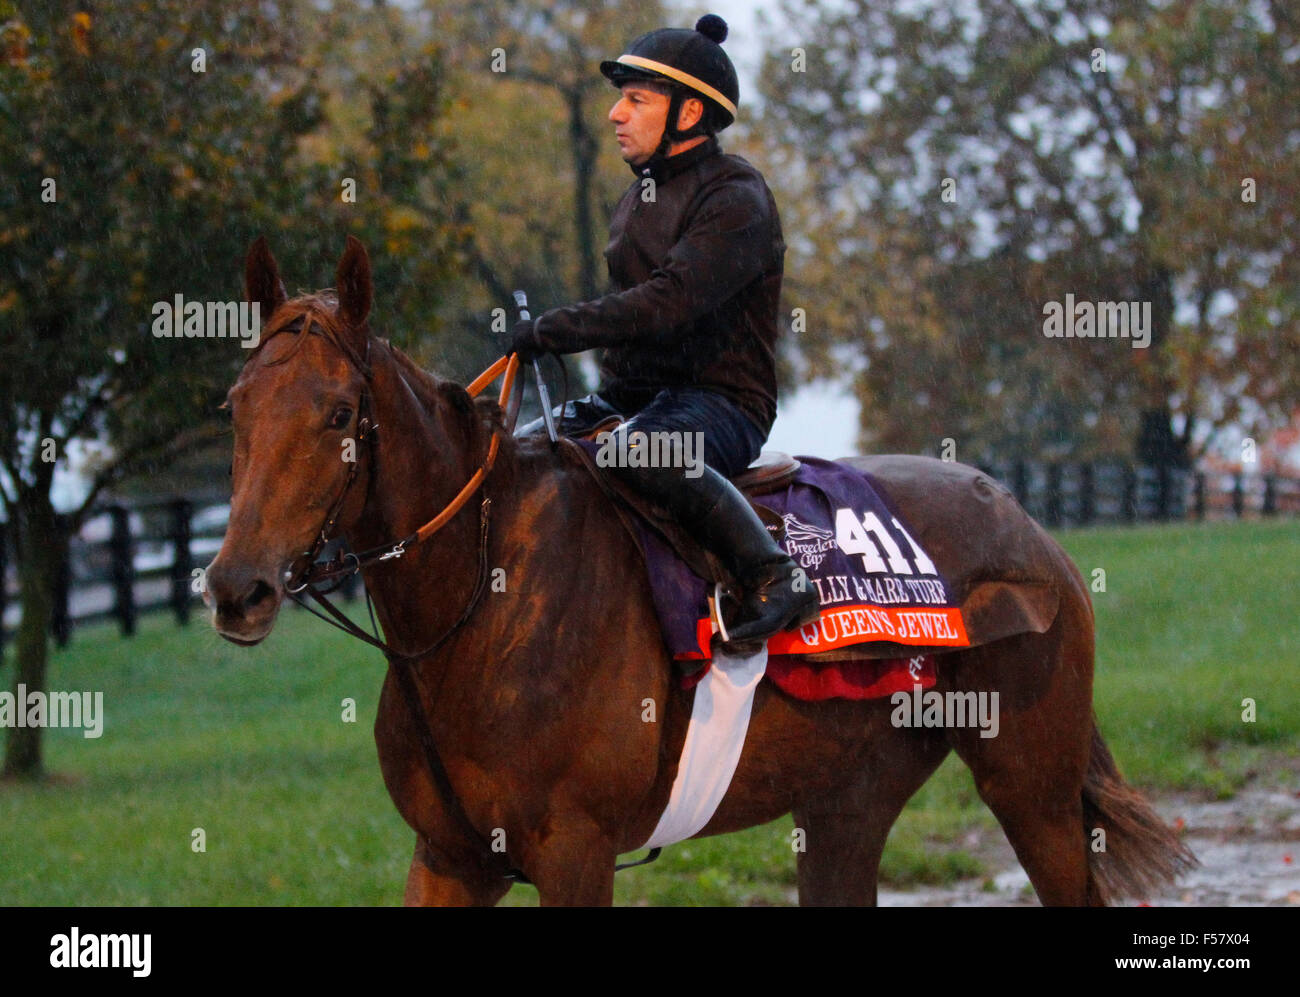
pixel 425 385
pixel 318 313
pixel 482 414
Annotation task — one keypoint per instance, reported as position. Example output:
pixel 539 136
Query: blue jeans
pixel 731 440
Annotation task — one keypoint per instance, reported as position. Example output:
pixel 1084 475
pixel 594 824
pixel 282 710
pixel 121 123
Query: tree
pixel 533 107
pixel 960 167
pixel 142 150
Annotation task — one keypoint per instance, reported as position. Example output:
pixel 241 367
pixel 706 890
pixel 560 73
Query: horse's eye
pixel 341 417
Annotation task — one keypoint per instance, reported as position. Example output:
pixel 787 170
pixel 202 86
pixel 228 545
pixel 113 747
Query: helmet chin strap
pixel 671 132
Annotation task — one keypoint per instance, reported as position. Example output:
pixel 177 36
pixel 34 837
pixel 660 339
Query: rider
pixel 689 334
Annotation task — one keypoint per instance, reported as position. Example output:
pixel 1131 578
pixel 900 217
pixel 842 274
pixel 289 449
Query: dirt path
pixel 1249 848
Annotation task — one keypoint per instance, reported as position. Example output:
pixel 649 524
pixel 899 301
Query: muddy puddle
pixel 1249 848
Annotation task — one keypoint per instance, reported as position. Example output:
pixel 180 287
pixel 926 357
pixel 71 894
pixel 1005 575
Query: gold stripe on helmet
pixel 676 74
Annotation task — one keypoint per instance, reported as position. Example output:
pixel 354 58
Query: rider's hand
pixel 524 341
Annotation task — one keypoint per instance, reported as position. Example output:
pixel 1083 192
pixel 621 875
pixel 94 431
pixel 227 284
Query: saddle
pixel 771 471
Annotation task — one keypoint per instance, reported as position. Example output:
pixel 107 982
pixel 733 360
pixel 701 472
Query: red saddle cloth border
pixel 849 679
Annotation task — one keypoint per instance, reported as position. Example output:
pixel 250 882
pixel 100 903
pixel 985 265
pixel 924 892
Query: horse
pixel 533 690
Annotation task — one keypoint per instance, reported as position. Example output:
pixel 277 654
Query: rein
pixel 339 568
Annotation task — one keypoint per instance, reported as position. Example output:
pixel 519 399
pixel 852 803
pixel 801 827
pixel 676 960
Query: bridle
pixel 311 573
pixel 305 574
pixel 303 580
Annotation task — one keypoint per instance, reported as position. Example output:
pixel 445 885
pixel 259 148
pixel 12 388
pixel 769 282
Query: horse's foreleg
pixel 572 865
pixel 431 883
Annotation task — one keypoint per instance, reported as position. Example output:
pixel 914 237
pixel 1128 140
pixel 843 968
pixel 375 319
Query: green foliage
pixel 163 177
pixel 143 146
pixel 1116 185
pixel 150 163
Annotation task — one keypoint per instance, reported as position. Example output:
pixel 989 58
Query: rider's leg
pixel 575 418
pixel 776 595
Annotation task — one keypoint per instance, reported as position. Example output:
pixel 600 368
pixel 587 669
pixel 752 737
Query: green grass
pixel 1195 619
pixel 250 746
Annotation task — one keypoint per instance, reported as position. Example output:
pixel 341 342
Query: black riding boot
pixel 777 595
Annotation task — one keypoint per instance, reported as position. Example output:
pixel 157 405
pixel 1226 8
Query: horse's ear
pixel 262 279
pixel 353 284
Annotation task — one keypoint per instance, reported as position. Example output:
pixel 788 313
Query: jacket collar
pixel 661 168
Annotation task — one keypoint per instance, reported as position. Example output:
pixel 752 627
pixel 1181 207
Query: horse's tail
pixel 1139 853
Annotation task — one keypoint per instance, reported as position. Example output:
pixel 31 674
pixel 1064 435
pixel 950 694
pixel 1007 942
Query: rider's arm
pixel 727 244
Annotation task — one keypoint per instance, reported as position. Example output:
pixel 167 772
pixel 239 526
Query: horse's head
pixel 295 409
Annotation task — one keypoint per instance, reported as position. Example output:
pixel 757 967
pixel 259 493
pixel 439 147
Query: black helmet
pixel 693 61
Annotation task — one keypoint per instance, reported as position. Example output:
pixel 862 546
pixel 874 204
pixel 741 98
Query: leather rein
pixel 304 579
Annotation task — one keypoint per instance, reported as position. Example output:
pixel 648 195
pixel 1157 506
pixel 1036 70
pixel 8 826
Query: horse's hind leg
pixel 845 831
pixel 1030 772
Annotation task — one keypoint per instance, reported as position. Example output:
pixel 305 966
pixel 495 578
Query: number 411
pixel 854 536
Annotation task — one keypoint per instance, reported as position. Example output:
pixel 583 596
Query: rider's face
pixel 639 117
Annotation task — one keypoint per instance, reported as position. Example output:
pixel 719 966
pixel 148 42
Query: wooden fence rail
pixel 1062 495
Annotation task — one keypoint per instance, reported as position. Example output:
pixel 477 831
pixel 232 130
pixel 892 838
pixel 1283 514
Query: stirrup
pixel 752 645
pixel 718 592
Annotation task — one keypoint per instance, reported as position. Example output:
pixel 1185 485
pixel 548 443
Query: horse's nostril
pixel 258 594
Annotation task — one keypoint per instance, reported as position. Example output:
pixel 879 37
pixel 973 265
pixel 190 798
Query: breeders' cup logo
pixel 806 543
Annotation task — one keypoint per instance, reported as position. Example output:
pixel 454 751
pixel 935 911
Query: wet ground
pixel 1248 846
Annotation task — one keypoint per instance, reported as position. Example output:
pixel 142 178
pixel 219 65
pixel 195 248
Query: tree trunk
pixel 1157 445
pixel 40 546
pixel 583 144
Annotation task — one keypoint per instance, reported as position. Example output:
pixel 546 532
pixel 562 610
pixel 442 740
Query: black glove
pixel 524 341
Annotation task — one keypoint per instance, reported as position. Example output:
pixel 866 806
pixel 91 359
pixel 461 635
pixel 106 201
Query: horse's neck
pixel 424 459
pixel 421 462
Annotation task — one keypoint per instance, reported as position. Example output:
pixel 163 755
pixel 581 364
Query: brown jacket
pixel 697 275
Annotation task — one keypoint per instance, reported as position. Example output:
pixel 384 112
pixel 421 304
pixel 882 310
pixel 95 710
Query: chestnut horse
pixel 537 704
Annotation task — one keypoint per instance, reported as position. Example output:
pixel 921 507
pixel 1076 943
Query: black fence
pixel 1064 495
pixel 130 560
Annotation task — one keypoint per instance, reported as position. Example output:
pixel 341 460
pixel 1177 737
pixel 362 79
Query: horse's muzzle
pixel 244 601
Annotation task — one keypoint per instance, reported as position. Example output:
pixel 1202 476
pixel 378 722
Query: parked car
pixel 88 550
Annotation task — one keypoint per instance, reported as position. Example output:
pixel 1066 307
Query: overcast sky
pixel 821 419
